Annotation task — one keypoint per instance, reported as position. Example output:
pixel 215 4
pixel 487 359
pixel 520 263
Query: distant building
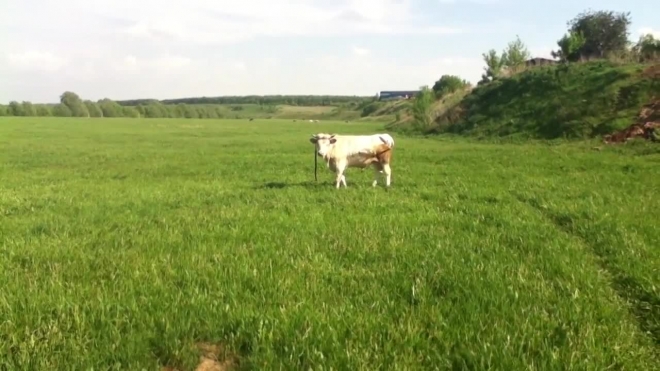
pixel 539 62
pixel 403 94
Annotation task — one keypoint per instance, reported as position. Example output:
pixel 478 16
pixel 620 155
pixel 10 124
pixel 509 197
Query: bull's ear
pixel 313 140
pixel 332 140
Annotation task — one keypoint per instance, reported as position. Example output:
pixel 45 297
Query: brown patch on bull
pixel 382 156
pixel 213 357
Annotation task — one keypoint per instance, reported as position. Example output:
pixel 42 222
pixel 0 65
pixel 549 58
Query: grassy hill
pixel 581 100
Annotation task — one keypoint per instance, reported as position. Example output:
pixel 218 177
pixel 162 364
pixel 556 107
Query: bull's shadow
pixel 330 184
pixel 282 185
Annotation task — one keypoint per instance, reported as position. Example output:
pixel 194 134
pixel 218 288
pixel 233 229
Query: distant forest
pixel 72 105
pixel 293 100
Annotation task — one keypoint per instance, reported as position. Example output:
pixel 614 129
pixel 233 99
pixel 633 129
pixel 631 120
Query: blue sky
pixel 123 49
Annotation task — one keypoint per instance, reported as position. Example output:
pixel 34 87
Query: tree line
pixel 71 105
pixel 591 35
pixel 291 100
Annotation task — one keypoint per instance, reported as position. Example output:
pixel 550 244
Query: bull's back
pixel 350 145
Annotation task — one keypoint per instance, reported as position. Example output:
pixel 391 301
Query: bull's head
pixel 323 143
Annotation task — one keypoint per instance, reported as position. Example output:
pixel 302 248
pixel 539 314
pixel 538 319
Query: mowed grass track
pixel 124 243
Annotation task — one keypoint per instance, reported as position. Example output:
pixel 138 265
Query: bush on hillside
pixel 572 101
pixel 448 84
pixel 421 109
pixel 647 48
pixel 511 61
pixel 371 108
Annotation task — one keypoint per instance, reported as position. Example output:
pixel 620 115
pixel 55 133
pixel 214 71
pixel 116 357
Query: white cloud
pixel 129 63
pixel 35 60
pixel 360 51
pixel 480 2
pixel 166 49
pixel 161 64
pixel 229 21
pixel 241 66
pixel 165 77
pixel 648 30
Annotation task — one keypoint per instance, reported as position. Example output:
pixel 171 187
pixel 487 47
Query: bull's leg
pixel 340 175
pixel 338 179
pixel 388 174
pixel 378 169
pixel 341 179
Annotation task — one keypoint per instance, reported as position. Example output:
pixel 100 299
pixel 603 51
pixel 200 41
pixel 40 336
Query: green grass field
pixel 124 243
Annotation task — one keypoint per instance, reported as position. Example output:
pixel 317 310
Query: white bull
pixel 343 151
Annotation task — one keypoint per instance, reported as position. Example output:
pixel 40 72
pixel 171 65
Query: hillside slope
pixel 567 101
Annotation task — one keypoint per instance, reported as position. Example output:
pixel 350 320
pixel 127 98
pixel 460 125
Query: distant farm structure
pixel 402 94
pixel 539 62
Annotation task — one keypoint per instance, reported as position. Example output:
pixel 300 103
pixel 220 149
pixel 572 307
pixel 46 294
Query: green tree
pixel 129 111
pixel 570 47
pixel 448 84
pixel 62 110
pixel 514 56
pixel 494 64
pixel 186 111
pixel 43 110
pixel 110 108
pixel 15 109
pixel 156 110
pixel 180 110
pixel 604 33
pixel 28 109
pixel 93 109
pixel 421 109
pixel 74 103
pixel 647 48
pixel 140 109
pixel 219 112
